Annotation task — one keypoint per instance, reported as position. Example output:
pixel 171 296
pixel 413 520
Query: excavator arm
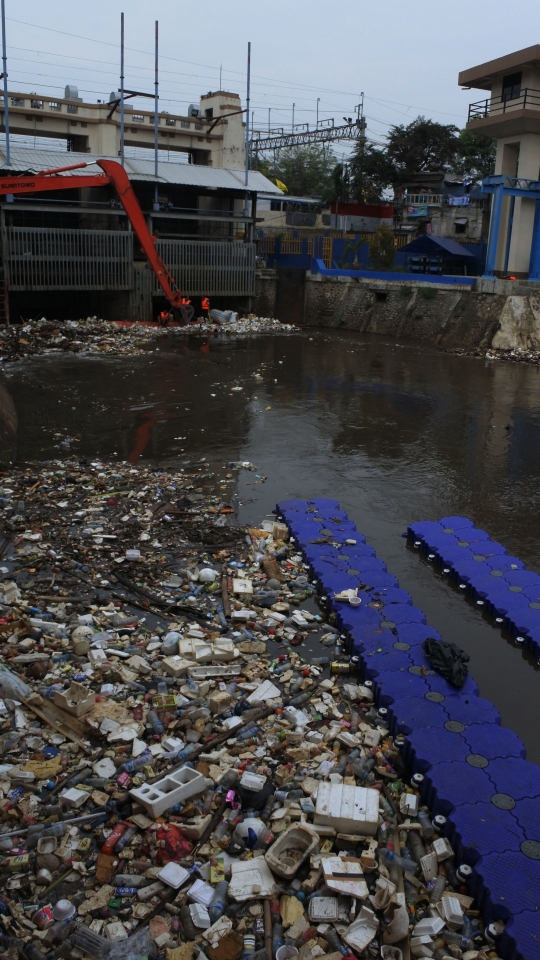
pixel 114 174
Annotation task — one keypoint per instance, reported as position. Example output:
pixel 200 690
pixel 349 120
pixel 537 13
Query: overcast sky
pixel 404 56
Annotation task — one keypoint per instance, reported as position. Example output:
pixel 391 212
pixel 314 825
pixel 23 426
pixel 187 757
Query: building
pixel 440 205
pixel 359 217
pixel 71 253
pixel 213 134
pixel 511 114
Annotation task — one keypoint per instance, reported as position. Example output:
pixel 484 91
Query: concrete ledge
pixel 507 288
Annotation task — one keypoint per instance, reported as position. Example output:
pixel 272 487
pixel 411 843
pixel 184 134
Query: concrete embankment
pixel 493 313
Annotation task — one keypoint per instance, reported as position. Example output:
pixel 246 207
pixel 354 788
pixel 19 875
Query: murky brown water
pixel 395 432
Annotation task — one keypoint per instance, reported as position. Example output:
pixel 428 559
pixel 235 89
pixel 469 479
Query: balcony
pixel 502 116
pixel 431 199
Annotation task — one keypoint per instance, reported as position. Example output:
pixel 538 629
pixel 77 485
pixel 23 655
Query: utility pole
pixel 269 111
pixel 5 76
pixel 246 199
pixel 122 89
pixel 292 129
pixel 318 99
pixel 156 123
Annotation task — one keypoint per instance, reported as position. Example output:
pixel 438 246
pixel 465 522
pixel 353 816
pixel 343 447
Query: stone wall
pixel 493 313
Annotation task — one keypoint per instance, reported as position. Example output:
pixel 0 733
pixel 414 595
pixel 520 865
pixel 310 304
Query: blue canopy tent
pixel 437 255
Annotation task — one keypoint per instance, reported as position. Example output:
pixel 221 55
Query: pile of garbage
pixel 101 337
pixel 517 356
pixel 183 772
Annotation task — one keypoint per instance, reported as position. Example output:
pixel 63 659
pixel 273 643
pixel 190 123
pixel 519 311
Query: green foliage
pixel 476 155
pixel 306 171
pixel 382 251
pixel 371 173
pixel 406 290
pixel 421 147
pixel 428 293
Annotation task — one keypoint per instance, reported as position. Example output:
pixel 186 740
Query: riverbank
pixel 502 317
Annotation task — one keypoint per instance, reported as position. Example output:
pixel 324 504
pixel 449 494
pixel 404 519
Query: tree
pixel 382 250
pixel 371 173
pixel 475 158
pixel 306 171
pixel 422 146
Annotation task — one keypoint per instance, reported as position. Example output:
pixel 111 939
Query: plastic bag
pixel 447 659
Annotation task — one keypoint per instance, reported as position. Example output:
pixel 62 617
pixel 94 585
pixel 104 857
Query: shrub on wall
pixel 382 250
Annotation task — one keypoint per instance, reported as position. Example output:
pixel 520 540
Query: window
pixel 185 124
pixel 511 87
pixel 36 104
pixel 17 102
pixel 138 118
pixel 209 113
pixel 169 122
pixel 71 108
pixel 54 105
pixel 460 227
pixel 275 204
pixel 198 126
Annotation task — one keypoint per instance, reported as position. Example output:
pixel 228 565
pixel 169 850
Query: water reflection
pixel 395 432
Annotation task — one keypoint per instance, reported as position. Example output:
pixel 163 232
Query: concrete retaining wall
pixel 494 313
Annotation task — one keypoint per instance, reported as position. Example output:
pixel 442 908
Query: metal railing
pixel 266 245
pixel 429 198
pixel 209 268
pixel 291 245
pixel 42 258
pixel 496 106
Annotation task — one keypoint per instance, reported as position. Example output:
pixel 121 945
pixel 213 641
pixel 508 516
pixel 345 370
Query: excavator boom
pixel 114 174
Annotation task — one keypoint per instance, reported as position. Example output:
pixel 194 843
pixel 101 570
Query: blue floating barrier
pixel 478 829
pixel 521 939
pixel 516 777
pixel 450 785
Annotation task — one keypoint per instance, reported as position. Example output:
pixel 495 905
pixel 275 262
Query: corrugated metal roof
pixel 428 244
pixel 185 174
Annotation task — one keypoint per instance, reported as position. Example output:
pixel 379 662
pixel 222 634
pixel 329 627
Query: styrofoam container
pixel 348 809
pixel 173 875
pixel 289 851
pixel 252 781
pixel 428 927
pixel 251 879
pixel 442 848
pixel 201 892
pixel 323 909
pixel 451 912
pixel 200 916
pixel 170 790
pixel 408 804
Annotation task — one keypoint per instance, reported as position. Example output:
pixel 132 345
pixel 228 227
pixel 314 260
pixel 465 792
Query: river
pixel 395 431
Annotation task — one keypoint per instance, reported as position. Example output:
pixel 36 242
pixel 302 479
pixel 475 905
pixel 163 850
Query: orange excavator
pixel 115 175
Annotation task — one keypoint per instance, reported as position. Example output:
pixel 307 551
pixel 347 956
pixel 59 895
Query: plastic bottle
pixel 11 686
pixel 417 848
pixel 404 862
pixel 248 734
pixel 320 661
pixel 452 937
pixel 169 647
pixel 249 943
pixel 334 942
pixel 277 937
pixel 438 889
pixel 153 720
pixel 265 838
pixel 221 830
pixel 114 837
pixel 131 766
pixel 218 902
pixel 187 923
pixel 125 839
pixel 228 781
pixel 266 812
pixel 427 827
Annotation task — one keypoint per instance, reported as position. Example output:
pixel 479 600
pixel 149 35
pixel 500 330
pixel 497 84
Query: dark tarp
pixel 447 659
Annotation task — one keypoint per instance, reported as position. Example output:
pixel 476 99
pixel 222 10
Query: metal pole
pixel 269 109
pixel 318 98
pixel 293 106
pixel 122 89
pixel 156 123
pixel 246 200
pixel 5 75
